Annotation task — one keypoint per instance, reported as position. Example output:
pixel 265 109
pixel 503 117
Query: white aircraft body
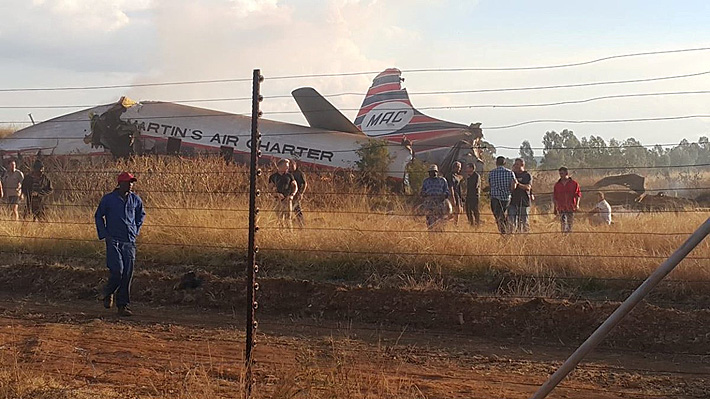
pixel 331 140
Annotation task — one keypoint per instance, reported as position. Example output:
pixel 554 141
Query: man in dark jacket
pixel 119 218
pixel 454 180
pixel 36 186
pixel 473 194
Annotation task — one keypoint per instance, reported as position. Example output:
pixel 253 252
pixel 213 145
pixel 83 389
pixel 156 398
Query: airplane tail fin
pixel 388 113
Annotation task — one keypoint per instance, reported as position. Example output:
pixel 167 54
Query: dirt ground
pixel 321 340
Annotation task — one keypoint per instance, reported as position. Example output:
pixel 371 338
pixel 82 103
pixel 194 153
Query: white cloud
pixel 92 15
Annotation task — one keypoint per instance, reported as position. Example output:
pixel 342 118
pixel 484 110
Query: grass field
pixel 197 214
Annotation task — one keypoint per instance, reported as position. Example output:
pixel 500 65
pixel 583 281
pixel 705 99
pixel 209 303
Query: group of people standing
pixel 452 194
pixel 511 193
pixel 35 187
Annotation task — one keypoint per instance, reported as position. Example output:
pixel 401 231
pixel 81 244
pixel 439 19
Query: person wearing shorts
pixel 12 188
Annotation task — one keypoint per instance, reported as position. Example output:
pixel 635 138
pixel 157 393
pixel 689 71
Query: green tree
pixel 417 172
pixel 528 155
pixel 596 152
pixel 659 156
pixel 488 154
pixel 562 149
pixel 634 153
pixel 552 155
pixel 374 162
pixel 704 153
pixel 573 153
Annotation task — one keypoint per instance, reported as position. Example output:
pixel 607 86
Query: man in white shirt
pixel 601 214
pixel 12 184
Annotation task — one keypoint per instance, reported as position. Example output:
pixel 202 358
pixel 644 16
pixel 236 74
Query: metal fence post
pixel 252 268
pixel 666 267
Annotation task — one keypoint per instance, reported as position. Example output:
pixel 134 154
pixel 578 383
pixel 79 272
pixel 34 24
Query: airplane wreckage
pixel 331 140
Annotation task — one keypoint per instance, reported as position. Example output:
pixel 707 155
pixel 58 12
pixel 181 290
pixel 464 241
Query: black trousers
pixel 472 211
pixel 499 207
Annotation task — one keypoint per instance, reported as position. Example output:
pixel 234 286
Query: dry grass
pixel 178 192
pixel 328 368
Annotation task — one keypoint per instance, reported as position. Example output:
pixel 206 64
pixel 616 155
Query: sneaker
pixel 124 311
pixel 108 301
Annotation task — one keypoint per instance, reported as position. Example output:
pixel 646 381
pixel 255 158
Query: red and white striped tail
pixel 387 113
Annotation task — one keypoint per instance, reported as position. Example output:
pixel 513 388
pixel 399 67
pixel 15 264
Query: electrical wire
pixel 310 131
pixel 345 74
pixel 438 107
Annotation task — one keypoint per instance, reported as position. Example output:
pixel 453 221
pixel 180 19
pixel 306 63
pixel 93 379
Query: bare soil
pixel 328 340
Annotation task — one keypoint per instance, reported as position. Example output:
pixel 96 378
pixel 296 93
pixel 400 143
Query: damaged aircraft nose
pixel 112 133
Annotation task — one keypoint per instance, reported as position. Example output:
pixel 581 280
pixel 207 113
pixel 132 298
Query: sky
pixel 62 43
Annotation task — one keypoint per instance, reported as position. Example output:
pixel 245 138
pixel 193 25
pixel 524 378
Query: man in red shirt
pixel 566 198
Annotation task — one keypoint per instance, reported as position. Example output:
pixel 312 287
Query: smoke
pixel 223 39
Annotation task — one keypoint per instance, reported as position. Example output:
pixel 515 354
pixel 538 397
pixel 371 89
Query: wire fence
pixel 386 241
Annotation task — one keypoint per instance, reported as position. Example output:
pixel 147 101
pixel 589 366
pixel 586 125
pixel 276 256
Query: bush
pixel 417 171
pixel 374 162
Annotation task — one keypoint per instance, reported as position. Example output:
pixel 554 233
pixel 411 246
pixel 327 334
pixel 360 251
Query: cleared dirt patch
pixel 556 322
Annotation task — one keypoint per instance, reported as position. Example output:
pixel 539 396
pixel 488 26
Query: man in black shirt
pixel 36 186
pixel 285 188
pixel 298 199
pixel 473 192
pixel 519 209
pixel 454 181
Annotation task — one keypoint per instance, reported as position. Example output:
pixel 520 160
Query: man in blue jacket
pixel 118 220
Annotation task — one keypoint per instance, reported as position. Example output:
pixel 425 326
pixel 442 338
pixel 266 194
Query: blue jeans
pixel 120 257
pixel 518 218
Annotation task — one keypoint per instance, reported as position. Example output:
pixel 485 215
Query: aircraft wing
pixel 321 114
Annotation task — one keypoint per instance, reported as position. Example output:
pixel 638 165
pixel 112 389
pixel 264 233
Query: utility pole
pixel 252 268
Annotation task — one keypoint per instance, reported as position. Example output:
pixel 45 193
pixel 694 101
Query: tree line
pixel 564 148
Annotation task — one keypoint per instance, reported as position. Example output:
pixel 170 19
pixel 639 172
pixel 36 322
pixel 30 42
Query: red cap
pixel 125 176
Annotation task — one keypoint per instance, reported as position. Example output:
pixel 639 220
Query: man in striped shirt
pixel 502 181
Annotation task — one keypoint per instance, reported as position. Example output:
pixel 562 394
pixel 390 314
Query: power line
pixel 345 74
pixel 573 64
pixel 441 107
pixel 514 89
pixel 121 86
pixel 596 121
pixel 387 130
